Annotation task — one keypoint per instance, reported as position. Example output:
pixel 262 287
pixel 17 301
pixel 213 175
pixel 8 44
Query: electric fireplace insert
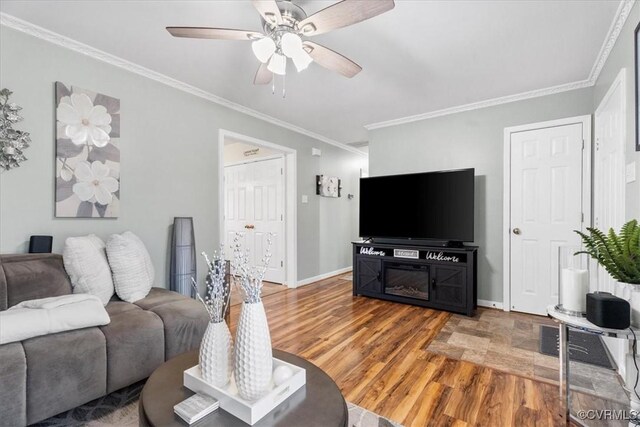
pixel 407 280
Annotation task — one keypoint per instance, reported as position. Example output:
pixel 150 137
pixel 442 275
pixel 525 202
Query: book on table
pixel 196 407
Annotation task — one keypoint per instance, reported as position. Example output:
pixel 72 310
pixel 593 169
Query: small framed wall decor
pixel 328 186
pixel 637 78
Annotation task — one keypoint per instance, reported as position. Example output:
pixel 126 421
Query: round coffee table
pixel 319 403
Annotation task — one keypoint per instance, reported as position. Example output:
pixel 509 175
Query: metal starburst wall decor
pixel 12 142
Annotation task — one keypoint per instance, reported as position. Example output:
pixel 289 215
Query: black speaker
pixel 40 244
pixel 608 311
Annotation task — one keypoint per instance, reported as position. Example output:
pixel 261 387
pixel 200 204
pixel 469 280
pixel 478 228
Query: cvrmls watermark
pixel 609 415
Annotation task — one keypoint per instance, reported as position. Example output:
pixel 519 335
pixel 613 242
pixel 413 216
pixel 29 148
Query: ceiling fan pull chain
pixel 284 86
pixel 273 86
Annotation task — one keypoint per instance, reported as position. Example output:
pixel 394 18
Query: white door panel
pixel 609 189
pixel 255 207
pixel 546 206
pixel 609 171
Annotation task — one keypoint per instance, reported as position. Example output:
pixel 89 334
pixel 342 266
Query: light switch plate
pixel 631 172
pixel 305 198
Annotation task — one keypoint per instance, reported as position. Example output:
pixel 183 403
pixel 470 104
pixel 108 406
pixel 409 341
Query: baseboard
pixel 310 280
pixel 490 304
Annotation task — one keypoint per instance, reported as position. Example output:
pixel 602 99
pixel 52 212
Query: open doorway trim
pixel 506 212
pixel 291 208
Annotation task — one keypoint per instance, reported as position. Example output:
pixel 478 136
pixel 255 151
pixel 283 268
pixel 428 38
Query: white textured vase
pixel 216 354
pixel 253 359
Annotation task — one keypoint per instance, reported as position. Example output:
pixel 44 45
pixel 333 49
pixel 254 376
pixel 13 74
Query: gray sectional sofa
pixel 43 376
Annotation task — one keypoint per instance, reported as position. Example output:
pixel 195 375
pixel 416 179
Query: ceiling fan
pixel 286 26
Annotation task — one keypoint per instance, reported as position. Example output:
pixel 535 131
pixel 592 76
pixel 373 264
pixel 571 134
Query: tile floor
pixel 509 342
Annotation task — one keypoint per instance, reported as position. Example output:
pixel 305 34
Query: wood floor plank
pixel 358 379
pixel 376 351
pixel 496 407
pixel 409 392
pixel 431 401
pixel 468 393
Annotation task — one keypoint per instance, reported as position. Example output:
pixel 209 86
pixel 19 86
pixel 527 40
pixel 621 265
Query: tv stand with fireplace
pixel 443 278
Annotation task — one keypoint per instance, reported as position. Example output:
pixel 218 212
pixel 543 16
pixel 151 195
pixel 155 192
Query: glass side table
pixel 567 322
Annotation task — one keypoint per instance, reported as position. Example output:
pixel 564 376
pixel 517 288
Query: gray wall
pixel 472 139
pixel 622 56
pixel 338 215
pixel 169 161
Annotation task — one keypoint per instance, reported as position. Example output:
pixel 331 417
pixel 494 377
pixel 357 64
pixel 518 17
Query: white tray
pixel 230 401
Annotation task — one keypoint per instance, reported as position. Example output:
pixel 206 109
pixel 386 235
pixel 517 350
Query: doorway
pixel 547 178
pixel 257 190
pixel 254 209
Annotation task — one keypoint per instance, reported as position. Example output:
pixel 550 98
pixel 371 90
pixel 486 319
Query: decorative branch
pixel 216 300
pixel 250 277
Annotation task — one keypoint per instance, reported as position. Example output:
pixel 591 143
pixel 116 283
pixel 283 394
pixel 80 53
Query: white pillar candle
pixel 574 288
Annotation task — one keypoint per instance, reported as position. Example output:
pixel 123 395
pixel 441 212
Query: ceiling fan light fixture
pixel 270 18
pixel 263 48
pixel 278 64
pixel 284 25
pixel 308 28
pixel 291 44
pixel 301 60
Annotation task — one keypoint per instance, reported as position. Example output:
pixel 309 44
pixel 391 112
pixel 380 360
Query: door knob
pixel 516 231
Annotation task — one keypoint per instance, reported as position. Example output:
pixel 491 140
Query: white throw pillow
pixel 130 263
pixel 86 263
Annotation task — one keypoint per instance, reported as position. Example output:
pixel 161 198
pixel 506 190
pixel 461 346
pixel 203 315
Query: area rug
pixel 583 347
pixel 121 409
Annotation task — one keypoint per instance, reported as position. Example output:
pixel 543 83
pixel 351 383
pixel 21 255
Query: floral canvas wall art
pixel 87 154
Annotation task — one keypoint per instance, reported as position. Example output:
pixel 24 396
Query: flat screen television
pixel 420 206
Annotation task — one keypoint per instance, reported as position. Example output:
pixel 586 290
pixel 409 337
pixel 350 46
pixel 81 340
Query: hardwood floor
pixel 376 352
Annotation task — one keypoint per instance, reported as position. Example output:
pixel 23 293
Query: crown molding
pixel 18 24
pixel 624 9
pixel 482 104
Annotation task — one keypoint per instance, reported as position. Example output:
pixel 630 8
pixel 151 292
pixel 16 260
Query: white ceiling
pixel 420 57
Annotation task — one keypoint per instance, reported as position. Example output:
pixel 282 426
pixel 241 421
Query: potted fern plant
pixel 619 255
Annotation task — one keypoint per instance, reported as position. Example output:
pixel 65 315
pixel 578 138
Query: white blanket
pixel 51 315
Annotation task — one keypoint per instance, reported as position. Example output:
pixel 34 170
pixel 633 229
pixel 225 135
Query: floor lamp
pixel 183 257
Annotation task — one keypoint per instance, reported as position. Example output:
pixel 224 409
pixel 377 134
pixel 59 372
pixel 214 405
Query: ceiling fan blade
pixel 263 75
pixel 332 60
pixel 269 10
pixel 342 14
pixel 213 33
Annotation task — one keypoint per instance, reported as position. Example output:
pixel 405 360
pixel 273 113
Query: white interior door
pixel 609 188
pixel 609 168
pixel 546 206
pixel 254 205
